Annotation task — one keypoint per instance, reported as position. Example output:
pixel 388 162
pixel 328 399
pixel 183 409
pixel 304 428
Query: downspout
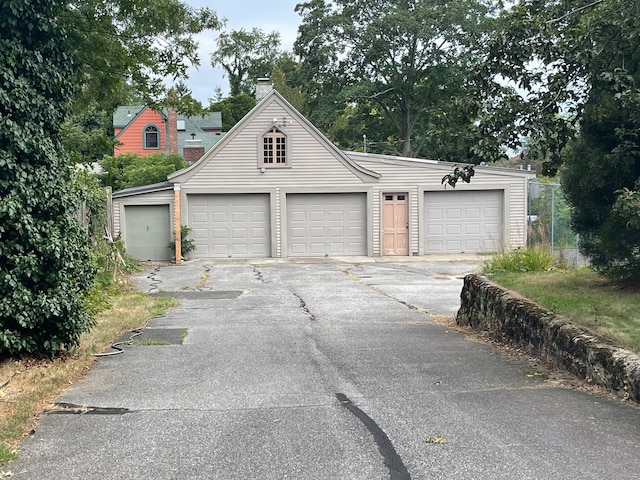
pixel 177 222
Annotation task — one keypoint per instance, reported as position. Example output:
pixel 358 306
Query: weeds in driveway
pixel 29 385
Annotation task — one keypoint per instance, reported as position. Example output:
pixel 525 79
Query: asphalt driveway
pixel 324 370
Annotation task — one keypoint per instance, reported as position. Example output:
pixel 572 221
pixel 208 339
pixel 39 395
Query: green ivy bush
pixel 45 267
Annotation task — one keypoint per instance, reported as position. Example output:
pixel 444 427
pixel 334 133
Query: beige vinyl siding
pixel 164 197
pixel 310 161
pixel 418 177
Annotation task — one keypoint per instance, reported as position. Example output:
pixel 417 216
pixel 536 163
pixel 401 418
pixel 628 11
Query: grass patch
pixel 611 309
pixel 151 342
pixel 28 386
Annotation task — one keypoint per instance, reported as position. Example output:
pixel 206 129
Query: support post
pixel 177 222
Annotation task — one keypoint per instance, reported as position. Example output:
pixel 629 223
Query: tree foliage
pixel 246 56
pixel 233 109
pixel 575 68
pixel 45 270
pixel 131 170
pixel 88 134
pixel 406 61
pixel 125 51
pixel 132 44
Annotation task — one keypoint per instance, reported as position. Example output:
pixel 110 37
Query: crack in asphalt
pixel 393 462
pixel 303 307
pixel 410 306
pixel 154 281
pixel 258 274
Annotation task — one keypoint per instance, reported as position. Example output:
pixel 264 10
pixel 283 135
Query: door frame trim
pixel 382 200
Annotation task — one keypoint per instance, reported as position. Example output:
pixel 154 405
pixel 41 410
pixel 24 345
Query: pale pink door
pixel 395 224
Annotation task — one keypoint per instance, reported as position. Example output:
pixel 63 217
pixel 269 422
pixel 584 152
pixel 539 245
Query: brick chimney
pixel 192 150
pixel 172 130
pixel 263 87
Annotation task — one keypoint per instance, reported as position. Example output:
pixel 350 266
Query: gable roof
pixel 211 121
pixel 126 114
pixel 201 126
pixel 360 171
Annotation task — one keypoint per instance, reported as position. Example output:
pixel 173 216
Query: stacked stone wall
pixel 488 307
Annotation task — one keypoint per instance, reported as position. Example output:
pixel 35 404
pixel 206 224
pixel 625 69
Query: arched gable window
pixel 151 137
pixel 273 151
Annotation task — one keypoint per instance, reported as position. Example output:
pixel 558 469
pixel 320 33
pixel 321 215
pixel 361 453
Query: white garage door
pixel 331 224
pixel 463 222
pixel 230 225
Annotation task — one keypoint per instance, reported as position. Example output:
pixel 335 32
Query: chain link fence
pixel 549 223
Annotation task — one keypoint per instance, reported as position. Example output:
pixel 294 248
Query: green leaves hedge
pixel 45 268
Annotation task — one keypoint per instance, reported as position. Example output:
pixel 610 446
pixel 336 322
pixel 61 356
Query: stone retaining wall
pixel 487 306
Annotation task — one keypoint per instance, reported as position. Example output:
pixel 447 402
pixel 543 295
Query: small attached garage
pixel 148 232
pixel 463 221
pixel 326 224
pixel 230 225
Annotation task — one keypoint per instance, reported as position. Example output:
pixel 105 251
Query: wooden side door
pixel 395 224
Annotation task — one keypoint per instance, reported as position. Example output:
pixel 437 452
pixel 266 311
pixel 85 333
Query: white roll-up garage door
pixel 327 224
pixel 234 225
pixel 463 221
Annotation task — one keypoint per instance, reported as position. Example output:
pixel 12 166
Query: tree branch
pixel 577 10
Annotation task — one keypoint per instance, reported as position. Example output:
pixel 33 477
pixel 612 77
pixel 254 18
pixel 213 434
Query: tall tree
pixel 233 109
pixel 246 56
pixel 132 44
pixel 45 267
pixel 125 51
pixel 407 59
pixel 576 68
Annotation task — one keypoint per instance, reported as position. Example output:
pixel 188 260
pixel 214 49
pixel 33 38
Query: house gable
pixel 130 138
pixel 129 122
pixel 236 159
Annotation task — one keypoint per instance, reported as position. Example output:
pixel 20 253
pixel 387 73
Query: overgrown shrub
pixel 45 267
pixel 521 260
pixel 132 170
pixel 186 244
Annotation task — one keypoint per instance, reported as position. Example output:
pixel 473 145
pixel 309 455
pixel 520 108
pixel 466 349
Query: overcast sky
pixel 269 16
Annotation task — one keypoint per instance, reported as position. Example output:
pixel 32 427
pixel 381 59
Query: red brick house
pixel 142 130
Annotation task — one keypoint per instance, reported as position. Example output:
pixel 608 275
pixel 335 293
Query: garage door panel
pixel 493 213
pixel 239 217
pixel 473 229
pixel 200 218
pixel 326 224
pixel 468 222
pixel 472 213
pixel 235 225
pixel 336 232
pixel 148 232
pixel 316 232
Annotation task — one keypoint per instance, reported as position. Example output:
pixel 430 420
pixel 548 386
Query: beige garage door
pixel 463 222
pixel 327 224
pixel 230 225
